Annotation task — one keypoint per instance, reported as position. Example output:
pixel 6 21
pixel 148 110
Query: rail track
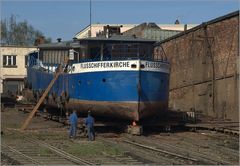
pixel 163 151
pixel 190 150
pixel 32 151
pixel 18 156
pixel 137 150
pixel 149 154
pixel 26 150
pixel 180 159
pixel 209 141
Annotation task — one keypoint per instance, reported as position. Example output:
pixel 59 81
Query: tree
pixel 20 33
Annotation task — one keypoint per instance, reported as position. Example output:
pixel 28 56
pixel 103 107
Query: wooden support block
pixel 134 130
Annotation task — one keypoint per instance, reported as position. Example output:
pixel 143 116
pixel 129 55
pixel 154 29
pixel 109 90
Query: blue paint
pixel 111 86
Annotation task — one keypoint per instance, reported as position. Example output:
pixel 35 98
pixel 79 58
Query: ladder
pixel 29 118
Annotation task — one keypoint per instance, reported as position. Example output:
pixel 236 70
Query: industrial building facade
pixel 13 68
pixel 95 29
pixel 204 75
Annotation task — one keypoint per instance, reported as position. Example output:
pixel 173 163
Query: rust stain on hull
pixel 122 110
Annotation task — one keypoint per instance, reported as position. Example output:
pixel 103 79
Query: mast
pixel 90 18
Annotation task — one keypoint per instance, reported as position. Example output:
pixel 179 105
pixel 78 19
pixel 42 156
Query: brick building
pixel 205 69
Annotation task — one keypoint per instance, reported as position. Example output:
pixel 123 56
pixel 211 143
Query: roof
pixel 162 26
pixel 64 44
pixel 102 25
pixel 72 44
pixel 228 16
pixel 118 38
pixel 17 46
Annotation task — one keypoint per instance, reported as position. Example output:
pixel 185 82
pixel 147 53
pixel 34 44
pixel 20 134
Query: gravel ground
pixel 99 151
pixel 5 160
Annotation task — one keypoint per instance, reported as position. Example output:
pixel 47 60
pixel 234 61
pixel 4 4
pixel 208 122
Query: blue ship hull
pixel 126 94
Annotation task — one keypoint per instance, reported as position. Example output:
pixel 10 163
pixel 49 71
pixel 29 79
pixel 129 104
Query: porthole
pixel 79 82
pixel 73 68
pixel 142 66
pixel 133 66
pixel 103 80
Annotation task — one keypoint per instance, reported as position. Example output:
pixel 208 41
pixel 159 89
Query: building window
pixel 9 61
pixel 26 60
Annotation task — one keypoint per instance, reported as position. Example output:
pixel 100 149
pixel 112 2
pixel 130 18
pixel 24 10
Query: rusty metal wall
pixel 204 69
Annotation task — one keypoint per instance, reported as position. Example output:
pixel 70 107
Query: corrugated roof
pixel 17 46
pixel 72 44
pixel 64 44
pixel 118 38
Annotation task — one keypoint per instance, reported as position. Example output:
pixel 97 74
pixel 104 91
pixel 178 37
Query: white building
pixel 13 63
pixel 96 28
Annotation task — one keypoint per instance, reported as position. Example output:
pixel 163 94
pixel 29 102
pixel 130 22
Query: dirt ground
pixel 51 132
pixel 98 151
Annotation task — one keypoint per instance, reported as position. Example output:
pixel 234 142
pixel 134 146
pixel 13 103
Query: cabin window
pixel 116 51
pixel 145 51
pixel 122 51
pixel 94 52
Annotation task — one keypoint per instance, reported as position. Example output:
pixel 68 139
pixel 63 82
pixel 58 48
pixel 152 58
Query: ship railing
pixel 122 58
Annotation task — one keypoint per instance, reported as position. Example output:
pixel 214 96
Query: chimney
pixel 177 21
pixel 107 32
pixel 185 27
pixel 59 40
pixel 74 39
pixel 39 40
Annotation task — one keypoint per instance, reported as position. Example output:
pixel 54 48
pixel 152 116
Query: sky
pixel 64 18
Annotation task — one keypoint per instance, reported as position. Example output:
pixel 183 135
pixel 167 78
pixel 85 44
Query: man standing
pixel 89 122
pixel 73 124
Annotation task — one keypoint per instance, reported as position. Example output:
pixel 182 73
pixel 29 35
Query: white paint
pixel 155 66
pixel 130 65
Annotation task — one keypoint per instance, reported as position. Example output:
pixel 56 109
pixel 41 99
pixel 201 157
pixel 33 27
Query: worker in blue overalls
pixel 89 122
pixel 73 119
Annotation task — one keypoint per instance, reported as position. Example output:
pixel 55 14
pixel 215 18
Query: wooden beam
pixel 29 118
